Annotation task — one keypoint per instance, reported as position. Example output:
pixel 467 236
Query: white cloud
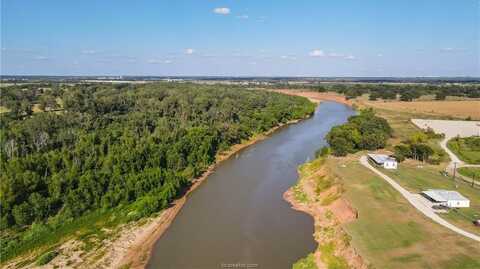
pixel 242 17
pixel 189 51
pixel 317 53
pixel 379 55
pixel 449 49
pixel 89 52
pixel 321 53
pixel 221 10
pixel 154 61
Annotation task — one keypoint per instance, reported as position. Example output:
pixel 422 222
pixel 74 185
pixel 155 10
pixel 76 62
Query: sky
pixel 241 37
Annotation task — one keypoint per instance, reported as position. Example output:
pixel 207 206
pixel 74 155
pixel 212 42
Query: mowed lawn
pixel 390 233
pixel 417 179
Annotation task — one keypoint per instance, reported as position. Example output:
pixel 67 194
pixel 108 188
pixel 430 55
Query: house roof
pixel 444 195
pixel 381 158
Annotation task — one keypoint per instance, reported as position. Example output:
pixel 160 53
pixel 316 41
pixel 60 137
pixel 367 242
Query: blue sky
pixel 241 37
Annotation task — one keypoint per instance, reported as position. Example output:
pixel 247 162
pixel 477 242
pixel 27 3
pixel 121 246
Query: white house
pixel 383 160
pixel 447 198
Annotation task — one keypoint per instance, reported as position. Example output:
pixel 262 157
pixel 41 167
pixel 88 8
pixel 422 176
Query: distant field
pixel 317 97
pixel 390 233
pixel 456 109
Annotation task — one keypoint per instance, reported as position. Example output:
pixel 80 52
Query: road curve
pixel 451 129
pixel 456 163
pixel 413 200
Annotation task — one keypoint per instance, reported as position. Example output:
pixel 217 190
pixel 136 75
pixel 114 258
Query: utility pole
pixel 455 173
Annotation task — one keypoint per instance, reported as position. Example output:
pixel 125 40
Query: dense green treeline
pixel 405 92
pixel 111 145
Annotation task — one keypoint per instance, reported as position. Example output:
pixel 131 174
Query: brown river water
pixel 237 218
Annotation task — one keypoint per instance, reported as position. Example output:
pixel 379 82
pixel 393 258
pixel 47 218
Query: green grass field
pixel 467 149
pixel 417 179
pixel 471 172
pixel 390 233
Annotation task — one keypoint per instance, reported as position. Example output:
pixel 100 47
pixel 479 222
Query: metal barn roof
pixel 380 158
pixel 444 195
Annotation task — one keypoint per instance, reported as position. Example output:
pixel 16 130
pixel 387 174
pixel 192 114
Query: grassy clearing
pixel 471 172
pixel 390 233
pixel 467 149
pixel 328 257
pixel 305 263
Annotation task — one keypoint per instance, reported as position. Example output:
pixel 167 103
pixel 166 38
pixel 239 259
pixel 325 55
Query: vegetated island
pixel 84 166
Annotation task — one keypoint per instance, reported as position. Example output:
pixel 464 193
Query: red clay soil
pixel 328 216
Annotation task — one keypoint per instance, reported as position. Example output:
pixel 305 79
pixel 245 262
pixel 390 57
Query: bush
pixel 401 152
pixel 306 263
pixel 364 131
pixel 46 258
pixel 324 151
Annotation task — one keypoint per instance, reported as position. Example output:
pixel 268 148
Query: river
pixel 237 218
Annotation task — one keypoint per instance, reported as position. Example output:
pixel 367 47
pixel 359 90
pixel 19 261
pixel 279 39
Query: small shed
pixel 383 160
pixel 447 198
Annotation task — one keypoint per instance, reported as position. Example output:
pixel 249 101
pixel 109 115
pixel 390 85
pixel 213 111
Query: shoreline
pixel 329 216
pixel 138 254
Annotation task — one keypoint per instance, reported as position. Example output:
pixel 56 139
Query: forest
pixel 71 149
